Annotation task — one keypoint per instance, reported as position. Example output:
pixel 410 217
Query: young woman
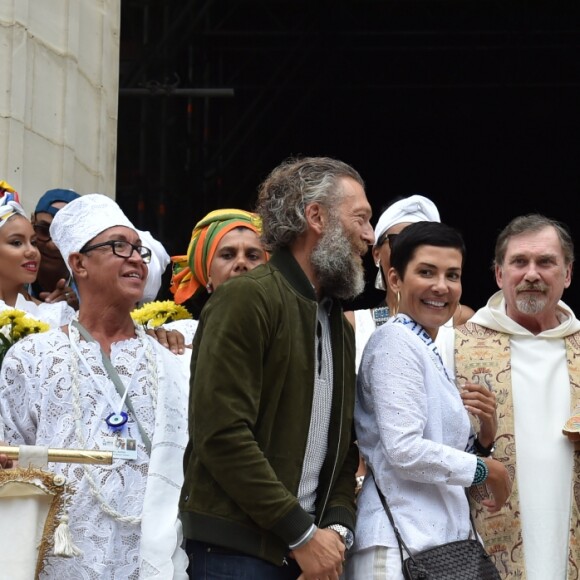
pixel 412 421
pixel 398 215
pixel 19 265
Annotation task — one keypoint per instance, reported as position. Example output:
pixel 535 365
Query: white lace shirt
pixel 37 406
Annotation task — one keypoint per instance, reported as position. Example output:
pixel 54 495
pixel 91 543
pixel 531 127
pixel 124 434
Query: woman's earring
pixel 379 280
pixel 209 288
pixel 397 304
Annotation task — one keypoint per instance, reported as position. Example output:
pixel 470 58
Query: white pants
pixel 378 563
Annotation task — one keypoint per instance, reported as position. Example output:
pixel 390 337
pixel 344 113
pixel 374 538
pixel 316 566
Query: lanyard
pixel 115 420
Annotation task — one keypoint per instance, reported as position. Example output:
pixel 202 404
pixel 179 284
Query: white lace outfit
pixel 37 406
pixel 56 314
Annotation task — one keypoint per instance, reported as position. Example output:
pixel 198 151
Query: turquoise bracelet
pixel 481 472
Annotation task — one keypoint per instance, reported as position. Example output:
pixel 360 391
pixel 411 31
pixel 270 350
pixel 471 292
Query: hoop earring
pixel 379 280
pixel 397 304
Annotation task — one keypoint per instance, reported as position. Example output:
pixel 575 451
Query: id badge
pixel 122 447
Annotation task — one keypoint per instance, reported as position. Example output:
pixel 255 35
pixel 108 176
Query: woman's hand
pixel 498 483
pixel 480 401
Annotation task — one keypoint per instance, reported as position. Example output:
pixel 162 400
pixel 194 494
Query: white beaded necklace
pixel 151 363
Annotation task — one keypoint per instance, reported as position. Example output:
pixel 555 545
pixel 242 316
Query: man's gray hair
pixel 290 187
pixel 533 223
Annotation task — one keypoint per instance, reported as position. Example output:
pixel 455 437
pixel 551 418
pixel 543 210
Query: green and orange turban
pixel 191 272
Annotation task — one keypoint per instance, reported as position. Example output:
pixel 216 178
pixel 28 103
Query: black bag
pixel 465 560
pixel 461 560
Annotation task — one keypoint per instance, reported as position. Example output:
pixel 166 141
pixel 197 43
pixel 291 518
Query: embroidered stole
pixel 483 356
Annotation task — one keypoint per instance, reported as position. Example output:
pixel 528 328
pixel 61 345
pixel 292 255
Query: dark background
pixel 473 104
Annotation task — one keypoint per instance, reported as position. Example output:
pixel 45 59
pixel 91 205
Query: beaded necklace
pixel 76 355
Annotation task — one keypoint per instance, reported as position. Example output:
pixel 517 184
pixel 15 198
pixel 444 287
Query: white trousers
pixel 378 563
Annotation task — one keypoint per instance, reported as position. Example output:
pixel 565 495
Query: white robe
pixel 37 406
pixel 541 399
pixel 55 315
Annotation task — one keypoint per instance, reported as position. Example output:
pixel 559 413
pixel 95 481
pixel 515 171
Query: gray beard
pixel 337 266
pixel 531 305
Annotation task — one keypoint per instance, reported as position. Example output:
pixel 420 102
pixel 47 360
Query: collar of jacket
pixel 283 260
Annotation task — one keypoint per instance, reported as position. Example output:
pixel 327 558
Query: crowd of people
pixel 239 436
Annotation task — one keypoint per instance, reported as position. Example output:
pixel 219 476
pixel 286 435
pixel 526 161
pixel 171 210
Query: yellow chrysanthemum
pixel 10 316
pixel 14 325
pixel 25 326
pixel 154 314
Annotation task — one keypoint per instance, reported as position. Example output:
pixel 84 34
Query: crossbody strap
pixel 114 376
pixel 402 545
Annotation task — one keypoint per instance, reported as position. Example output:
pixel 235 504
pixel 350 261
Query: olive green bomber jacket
pixel 252 382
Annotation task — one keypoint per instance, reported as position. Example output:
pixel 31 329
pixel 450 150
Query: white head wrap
pixel 84 218
pixel 8 209
pixel 159 261
pixel 415 208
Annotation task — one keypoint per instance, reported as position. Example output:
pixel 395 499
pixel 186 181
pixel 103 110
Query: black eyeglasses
pixel 42 232
pixel 122 249
pixel 387 238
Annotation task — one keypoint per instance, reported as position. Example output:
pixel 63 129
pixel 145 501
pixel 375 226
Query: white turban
pixel 8 209
pixel 415 208
pixel 84 218
pixel 159 261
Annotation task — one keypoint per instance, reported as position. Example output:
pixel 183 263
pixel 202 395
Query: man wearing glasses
pixel 104 384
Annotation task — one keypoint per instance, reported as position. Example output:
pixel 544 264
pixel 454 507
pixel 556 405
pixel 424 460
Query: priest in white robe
pixel 525 345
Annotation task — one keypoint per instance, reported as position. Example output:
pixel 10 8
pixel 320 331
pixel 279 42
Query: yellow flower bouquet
pixel 154 314
pixel 14 325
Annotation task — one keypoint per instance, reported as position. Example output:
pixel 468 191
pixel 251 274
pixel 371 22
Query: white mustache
pixel 531 288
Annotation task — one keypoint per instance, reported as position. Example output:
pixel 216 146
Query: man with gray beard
pixel 270 465
pixel 525 345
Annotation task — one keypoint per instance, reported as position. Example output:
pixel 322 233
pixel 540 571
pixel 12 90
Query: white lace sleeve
pixel 18 387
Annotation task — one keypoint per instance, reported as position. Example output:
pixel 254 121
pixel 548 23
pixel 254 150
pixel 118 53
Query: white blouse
pixel 413 429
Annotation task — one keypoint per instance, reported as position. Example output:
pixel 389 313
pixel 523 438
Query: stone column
pixel 59 67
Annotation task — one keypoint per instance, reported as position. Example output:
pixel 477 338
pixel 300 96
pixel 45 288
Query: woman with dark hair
pixel 411 420
pixel 19 264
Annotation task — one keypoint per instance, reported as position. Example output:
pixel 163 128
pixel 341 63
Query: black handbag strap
pixel 402 545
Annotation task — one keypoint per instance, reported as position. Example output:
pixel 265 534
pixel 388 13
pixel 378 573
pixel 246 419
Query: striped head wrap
pixel 9 206
pixel 191 272
pixel 8 192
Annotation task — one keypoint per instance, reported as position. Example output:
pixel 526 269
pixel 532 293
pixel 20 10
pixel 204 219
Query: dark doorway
pixel 472 103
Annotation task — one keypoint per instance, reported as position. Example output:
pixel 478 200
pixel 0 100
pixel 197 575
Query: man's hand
pixel 322 557
pixel 480 401
pixel 171 339
pixel 5 463
pixel 62 292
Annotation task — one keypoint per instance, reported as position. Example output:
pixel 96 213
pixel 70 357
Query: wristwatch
pixel 483 451
pixel 346 535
